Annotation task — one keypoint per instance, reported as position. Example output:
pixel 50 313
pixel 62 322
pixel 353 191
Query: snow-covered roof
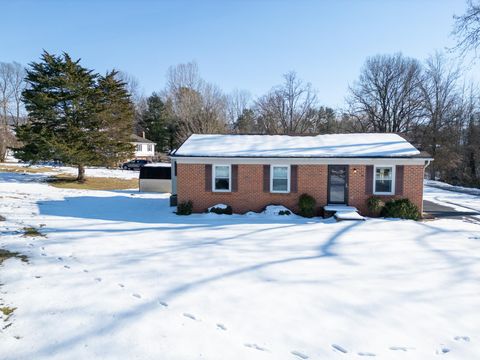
pixel 158 165
pixel 321 146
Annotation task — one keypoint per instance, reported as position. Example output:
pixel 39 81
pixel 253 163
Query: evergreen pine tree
pixel 76 116
pixel 155 121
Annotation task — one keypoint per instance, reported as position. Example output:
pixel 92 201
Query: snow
pixel 218 206
pixel 336 145
pixel 348 215
pixel 274 210
pixel 452 196
pixel 339 208
pixel 119 276
pixel 89 171
pixel 158 165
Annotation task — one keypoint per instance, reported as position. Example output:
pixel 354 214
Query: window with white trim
pixel 279 178
pixel 149 147
pixel 384 180
pixel 139 147
pixel 222 175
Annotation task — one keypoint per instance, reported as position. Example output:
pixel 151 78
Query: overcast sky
pixel 237 44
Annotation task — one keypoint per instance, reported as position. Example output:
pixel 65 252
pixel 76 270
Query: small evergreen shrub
pixel 306 204
pixel 401 208
pixel 184 208
pixel 219 210
pixel 284 212
pixel 375 205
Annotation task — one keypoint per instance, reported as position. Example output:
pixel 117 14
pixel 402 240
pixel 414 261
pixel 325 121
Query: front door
pixel 337 184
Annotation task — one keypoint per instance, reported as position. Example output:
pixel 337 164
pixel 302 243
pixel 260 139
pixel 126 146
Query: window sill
pixel 383 194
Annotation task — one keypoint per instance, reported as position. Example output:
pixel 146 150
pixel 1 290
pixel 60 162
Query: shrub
pixel 184 208
pixel 221 210
pixel 306 204
pixel 401 208
pixel 284 212
pixel 375 205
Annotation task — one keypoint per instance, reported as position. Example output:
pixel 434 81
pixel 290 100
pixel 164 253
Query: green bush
pixel 184 208
pixel 401 208
pixel 375 205
pixel 306 204
pixel 284 212
pixel 218 210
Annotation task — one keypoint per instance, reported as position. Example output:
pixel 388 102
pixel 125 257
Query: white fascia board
pixel 299 161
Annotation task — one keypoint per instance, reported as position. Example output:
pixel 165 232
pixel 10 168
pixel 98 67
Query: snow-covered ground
pixel 89 171
pixel 119 276
pixel 457 197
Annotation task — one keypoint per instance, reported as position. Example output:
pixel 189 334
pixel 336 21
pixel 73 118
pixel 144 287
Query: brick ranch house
pixel 249 172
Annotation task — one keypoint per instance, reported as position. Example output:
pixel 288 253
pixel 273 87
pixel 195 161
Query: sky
pixel 245 45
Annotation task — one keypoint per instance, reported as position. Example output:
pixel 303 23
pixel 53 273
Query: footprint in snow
pixel 339 348
pixel 222 327
pixel 138 296
pixel 190 316
pixel 121 285
pixel 366 354
pixel 443 350
pixel 66 266
pixel 462 338
pixel 398 348
pixel 85 271
pixel 60 258
pixel 255 346
pixel 44 254
pixel 163 303
pixel 299 354
pixel 98 279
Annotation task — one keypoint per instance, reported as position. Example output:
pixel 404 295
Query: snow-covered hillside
pixel 117 275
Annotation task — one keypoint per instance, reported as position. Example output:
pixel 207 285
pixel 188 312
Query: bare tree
pixel 441 105
pixel 467 29
pixel 17 85
pixel 387 97
pixel 198 106
pixel 12 84
pixel 237 102
pixel 132 86
pixel 470 141
pixel 289 108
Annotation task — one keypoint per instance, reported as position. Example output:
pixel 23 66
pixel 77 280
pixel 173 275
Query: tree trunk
pixel 81 174
pixel 3 142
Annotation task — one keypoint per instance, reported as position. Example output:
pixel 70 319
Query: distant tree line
pixel 428 102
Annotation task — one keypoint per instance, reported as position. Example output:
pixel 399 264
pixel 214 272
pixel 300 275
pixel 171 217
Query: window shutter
pixel 294 178
pixel 234 178
pixel 369 180
pixel 266 178
pixel 399 180
pixel 208 177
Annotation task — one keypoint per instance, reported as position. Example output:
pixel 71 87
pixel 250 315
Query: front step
pixel 343 212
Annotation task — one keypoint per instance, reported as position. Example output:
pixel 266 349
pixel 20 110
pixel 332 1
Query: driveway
pixel 441 211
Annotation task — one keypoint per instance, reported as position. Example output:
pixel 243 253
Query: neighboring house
pixel 249 172
pixel 144 148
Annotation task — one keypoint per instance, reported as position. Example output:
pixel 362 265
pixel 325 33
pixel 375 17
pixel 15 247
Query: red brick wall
pixel 312 179
pixel 412 187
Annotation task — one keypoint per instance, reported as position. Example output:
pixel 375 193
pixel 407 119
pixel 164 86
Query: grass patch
pixel 93 183
pixel 31 231
pixel 5 254
pixel 7 310
pixel 26 169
